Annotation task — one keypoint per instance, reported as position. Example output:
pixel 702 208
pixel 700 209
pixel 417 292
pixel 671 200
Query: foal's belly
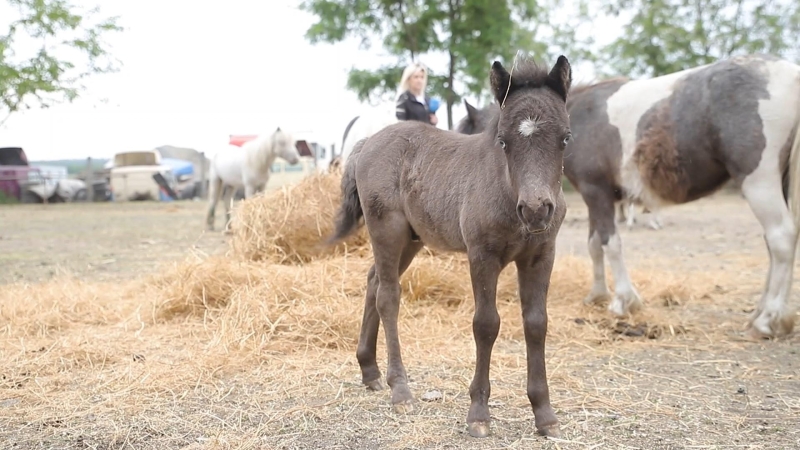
pixel 436 225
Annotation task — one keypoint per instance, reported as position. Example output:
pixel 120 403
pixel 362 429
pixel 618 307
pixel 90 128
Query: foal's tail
pixel 350 212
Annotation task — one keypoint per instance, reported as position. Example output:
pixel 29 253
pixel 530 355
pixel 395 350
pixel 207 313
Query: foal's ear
pixel 560 77
pixel 499 79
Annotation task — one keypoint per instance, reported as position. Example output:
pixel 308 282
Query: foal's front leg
pixel 484 269
pixel 534 280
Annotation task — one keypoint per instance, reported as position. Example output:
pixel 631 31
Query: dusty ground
pixel 99 382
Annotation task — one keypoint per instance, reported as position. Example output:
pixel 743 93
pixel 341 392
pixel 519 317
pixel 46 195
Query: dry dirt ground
pixel 84 377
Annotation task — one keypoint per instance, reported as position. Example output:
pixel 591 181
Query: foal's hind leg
pixel 763 192
pixel 368 340
pixel 390 236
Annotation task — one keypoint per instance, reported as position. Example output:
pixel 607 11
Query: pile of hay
pixel 277 291
pixel 290 224
pixel 278 264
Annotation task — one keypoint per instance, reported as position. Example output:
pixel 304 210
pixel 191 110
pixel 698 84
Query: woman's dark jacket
pixel 409 108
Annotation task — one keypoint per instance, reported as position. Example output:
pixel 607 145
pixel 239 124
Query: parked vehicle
pixel 131 177
pixel 24 183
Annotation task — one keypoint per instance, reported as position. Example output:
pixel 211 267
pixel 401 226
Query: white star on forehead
pixel 529 126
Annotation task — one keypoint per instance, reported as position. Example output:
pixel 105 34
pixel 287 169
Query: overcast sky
pixel 196 72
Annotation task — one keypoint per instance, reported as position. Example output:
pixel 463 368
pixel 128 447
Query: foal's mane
pixel 525 74
pixel 528 74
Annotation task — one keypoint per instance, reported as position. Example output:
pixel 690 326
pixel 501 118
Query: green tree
pixel 469 33
pixel 665 36
pixel 67 46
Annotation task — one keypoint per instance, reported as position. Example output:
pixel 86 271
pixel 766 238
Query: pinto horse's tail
pixel 792 178
pixel 349 215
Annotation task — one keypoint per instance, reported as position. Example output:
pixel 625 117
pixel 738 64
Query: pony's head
pixel 476 119
pixel 532 130
pixel 285 146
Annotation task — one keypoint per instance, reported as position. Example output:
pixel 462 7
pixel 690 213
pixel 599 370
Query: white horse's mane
pixel 265 140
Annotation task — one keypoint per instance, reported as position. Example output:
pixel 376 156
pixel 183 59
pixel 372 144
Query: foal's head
pixel 285 146
pixel 532 128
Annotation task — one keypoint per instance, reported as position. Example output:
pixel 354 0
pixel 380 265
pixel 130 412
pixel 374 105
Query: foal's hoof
pixel 550 430
pixel 403 407
pixel 478 429
pixel 374 385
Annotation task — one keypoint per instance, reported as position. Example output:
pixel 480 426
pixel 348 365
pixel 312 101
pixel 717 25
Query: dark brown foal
pixel 495 196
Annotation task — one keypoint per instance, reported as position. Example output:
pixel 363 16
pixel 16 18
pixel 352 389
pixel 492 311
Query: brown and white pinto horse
pixel 676 138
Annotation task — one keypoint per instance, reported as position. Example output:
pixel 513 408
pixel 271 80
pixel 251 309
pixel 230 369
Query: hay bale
pixel 288 225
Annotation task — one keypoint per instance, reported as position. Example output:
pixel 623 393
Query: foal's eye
pixel 502 143
pixel 567 138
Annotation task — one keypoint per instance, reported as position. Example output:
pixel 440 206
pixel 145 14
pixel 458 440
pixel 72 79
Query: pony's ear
pixel 560 77
pixel 499 79
pixel 472 112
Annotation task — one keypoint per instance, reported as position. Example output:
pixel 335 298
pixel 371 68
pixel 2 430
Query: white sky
pixel 195 72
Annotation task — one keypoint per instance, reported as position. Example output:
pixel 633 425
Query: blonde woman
pixel 412 103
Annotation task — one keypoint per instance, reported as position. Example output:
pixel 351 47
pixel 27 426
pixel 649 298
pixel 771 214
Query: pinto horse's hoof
pixel 478 429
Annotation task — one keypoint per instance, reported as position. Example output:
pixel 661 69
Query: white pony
pixel 364 126
pixel 247 166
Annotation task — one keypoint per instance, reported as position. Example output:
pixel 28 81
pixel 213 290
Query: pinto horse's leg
pixel 598 206
pixel 655 220
pixel 763 192
pixel 370 323
pixel 631 215
pixel 604 239
pixel 484 269
pixel 389 233
pixel 533 274
pixel 621 214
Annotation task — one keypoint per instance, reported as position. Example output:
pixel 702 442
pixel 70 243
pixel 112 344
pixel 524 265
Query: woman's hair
pixel 408 72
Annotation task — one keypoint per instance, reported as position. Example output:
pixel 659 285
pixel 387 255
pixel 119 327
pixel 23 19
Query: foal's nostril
pixel 537 217
pixel 550 208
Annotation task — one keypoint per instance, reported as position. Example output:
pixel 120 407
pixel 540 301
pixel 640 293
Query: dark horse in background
pixel 495 196
pixel 680 137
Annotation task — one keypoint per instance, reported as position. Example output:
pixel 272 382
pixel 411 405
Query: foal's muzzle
pixel 537 217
